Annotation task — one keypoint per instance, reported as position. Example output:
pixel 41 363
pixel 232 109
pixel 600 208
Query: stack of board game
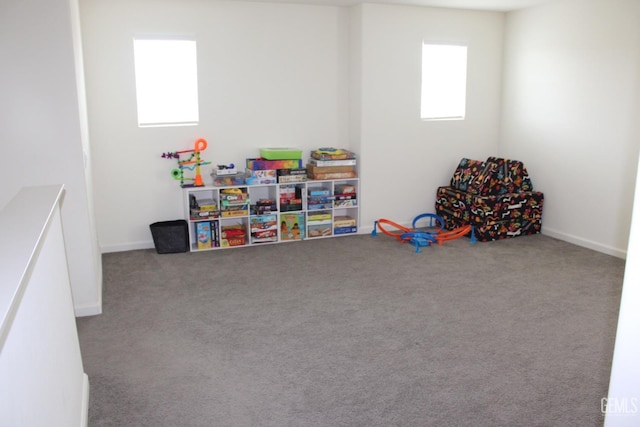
pixel 291 175
pixel 234 202
pixel 345 196
pixel 279 163
pixel 263 207
pixel 319 224
pixel 203 208
pixel 344 224
pixel 290 198
pixel 264 228
pixel 232 235
pixel 331 163
pixel 319 198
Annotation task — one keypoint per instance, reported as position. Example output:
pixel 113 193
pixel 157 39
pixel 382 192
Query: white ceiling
pixel 494 5
pixel 497 5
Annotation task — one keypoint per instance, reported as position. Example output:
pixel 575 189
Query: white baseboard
pixel 88 310
pixel 84 414
pixel 369 228
pixel 590 244
pixel 127 247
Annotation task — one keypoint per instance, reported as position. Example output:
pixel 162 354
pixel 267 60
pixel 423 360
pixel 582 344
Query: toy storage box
pixel 280 153
pixel 170 236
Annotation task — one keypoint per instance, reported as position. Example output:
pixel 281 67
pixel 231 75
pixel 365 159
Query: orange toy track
pixel 456 233
pixel 421 238
pixel 393 224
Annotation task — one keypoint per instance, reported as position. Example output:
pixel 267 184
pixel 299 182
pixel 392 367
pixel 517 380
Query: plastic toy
pixel 229 169
pixel 434 232
pixel 192 163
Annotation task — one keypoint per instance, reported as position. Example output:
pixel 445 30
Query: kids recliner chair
pixel 495 196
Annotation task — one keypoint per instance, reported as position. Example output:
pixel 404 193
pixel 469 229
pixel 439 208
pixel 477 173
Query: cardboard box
pixel 345 189
pixel 232 235
pixel 332 154
pixel 203 234
pixel 345 230
pixel 285 179
pixel 319 230
pixel 345 203
pixel 345 162
pixel 343 221
pixel 329 169
pixel 255 164
pixel 331 175
pixel 262 173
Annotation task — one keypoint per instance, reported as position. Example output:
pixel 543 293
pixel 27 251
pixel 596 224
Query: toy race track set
pixel 433 232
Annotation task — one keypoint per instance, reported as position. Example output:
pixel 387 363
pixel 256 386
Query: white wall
pixel 269 75
pixel 41 127
pixel 405 159
pixel 570 111
pixel 309 76
pixel 281 74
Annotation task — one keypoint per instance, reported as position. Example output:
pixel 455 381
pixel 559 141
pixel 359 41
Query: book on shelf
pixel 292 226
pixel 203 234
pixel 215 236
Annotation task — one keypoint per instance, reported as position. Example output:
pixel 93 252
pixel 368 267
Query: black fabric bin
pixel 170 236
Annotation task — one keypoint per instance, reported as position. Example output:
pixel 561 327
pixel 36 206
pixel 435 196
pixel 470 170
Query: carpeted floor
pixel 355 331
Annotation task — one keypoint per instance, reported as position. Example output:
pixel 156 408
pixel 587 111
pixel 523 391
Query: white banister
pixel 42 380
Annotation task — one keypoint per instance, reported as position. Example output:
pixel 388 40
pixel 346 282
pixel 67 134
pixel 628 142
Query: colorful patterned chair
pixel 495 196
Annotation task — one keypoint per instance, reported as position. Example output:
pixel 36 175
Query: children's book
pixel 292 226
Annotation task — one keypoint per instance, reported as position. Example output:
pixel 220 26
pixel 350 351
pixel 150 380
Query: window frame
pixel 188 114
pixel 462 85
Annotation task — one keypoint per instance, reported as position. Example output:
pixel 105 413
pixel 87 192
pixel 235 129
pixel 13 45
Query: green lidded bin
pixel 280 153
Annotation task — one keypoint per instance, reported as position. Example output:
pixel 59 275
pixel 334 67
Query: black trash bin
pixel 170 237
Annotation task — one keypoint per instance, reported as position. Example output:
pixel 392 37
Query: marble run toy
pixel 193 163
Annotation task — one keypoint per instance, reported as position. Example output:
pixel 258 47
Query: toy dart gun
pixel 192 163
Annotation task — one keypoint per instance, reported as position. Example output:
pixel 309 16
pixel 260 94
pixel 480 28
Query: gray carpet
pixel 355 331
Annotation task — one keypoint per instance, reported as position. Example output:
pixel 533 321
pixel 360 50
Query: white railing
pixel 42 380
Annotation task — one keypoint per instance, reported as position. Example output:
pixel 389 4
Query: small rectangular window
pixel 166 81
pixel 444 81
